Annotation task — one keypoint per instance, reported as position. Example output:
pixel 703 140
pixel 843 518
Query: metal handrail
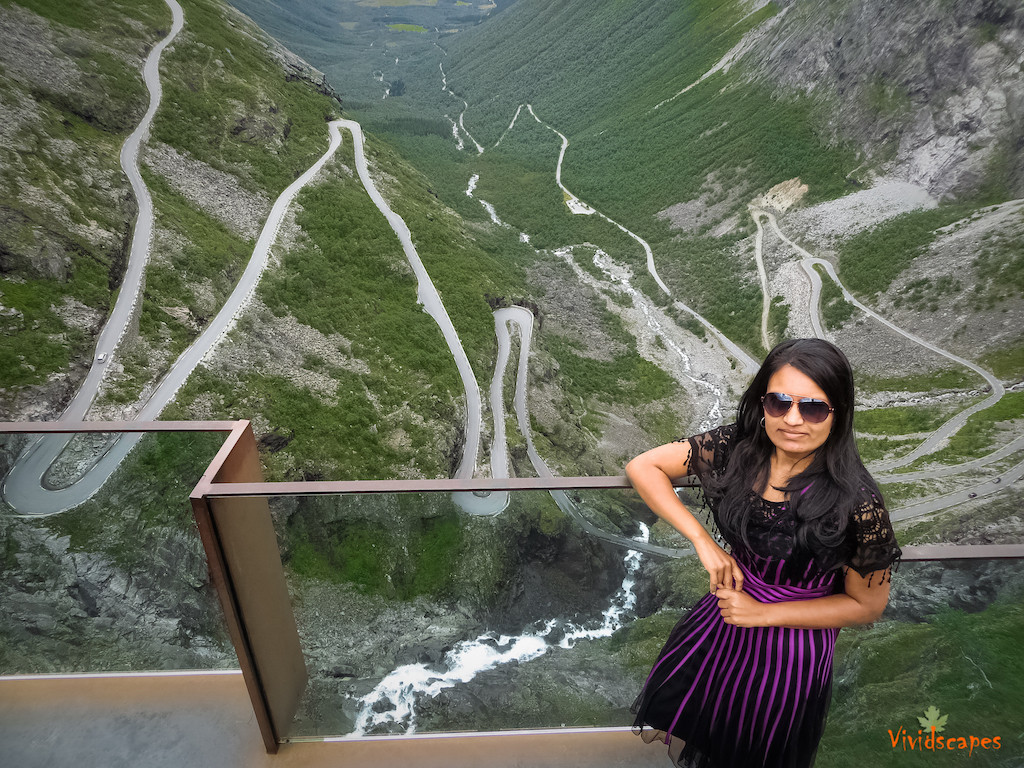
pixel 207 487
pixel 72 427
pixel 348 487
pixel 911 552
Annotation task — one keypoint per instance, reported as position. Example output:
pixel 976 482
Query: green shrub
pixel 835 309
pixel 626 378
pixel 900 420
pixel 871 260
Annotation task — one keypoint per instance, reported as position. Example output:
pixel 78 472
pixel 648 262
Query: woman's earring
pixel 762 422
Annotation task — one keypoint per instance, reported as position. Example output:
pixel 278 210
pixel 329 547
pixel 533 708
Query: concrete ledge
pixel 182 720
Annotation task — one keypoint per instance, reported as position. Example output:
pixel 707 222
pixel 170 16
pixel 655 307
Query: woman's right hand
pixel 722 567
pixel 651 474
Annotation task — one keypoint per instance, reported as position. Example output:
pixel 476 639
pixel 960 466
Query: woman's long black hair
pixel 825 494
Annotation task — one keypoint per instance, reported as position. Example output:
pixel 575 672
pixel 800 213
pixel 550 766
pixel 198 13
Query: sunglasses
pixel 811 410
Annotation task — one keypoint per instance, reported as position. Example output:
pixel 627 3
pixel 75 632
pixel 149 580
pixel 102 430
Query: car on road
pixel 101 357
pixel 972 495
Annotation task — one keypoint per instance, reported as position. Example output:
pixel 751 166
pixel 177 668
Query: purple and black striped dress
pixel 723 696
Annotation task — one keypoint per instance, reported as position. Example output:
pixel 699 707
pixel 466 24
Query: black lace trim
pixel 704 509
pixel 872 541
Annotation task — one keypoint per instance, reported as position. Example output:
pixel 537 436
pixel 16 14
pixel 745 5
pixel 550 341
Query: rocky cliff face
pixel 72 610
pixel 294 66
pixel 931 90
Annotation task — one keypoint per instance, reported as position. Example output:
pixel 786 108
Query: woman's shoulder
pixel 871 537
pixel 716 436
pixel 710 450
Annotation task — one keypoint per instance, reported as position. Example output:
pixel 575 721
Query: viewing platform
pixel 278 687
pixel 185 719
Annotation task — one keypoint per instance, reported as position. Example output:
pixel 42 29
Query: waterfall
pixel 393 700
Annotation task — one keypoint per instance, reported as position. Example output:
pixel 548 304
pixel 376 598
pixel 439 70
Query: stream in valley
pixel 393 701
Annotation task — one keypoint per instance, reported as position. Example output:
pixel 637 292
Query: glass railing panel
pixel 101 566
pixel 947 651
pixel 550 594
pixel 418 616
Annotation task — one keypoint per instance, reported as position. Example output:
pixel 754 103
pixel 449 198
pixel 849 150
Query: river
pixel 393 701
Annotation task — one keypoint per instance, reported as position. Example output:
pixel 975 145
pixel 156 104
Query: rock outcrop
pixel 932 90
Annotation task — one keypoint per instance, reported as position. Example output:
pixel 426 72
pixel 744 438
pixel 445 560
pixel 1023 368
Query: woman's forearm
pixel 656 489
pixel 830 612
pixel 651 474
pixel 858 603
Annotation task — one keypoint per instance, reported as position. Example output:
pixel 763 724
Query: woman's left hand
pixel 740 609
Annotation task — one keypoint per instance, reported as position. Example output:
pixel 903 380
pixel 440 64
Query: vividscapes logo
pixel 928 739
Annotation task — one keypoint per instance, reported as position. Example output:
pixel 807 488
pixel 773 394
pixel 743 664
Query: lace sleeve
pixel 709 451
pixel 872 541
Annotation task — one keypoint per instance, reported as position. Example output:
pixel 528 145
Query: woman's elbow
pixel 656 465
pixel 638 467
pixel 875 613
pixel 870 599
pixel 869 613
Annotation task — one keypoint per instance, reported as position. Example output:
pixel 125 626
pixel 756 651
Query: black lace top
pixel 870 544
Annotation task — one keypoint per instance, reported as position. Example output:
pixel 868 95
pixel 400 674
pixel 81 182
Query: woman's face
pixel 791 433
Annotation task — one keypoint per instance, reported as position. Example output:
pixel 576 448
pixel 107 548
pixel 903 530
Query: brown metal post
pixel 245 565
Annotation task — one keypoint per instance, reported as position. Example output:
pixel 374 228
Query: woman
pixel 745 678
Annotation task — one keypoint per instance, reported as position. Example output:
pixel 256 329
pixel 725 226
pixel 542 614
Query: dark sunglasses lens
pixel 775 406
pixel 814 411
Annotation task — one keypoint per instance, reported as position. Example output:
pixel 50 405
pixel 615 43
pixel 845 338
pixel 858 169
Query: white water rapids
pixel 396 694
pixel 656 325
pixel 458 125
pixel 487 206
pixel 620 274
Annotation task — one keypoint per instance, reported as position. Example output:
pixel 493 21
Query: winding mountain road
pixel 808 262
pixel 523 319
pixel 884 469
pixel 762 274
pixel 935 440
pixel 24 486
pixel 986 487
pixel 430 299
pixel 24 489
pixel 746 362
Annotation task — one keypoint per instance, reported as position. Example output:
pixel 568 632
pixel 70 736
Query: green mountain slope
pixel 360 44
pixel 345 377
pixel 70 93
pixel 883 137
pixel 239 120
pixel 342 373
pixel 596 73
